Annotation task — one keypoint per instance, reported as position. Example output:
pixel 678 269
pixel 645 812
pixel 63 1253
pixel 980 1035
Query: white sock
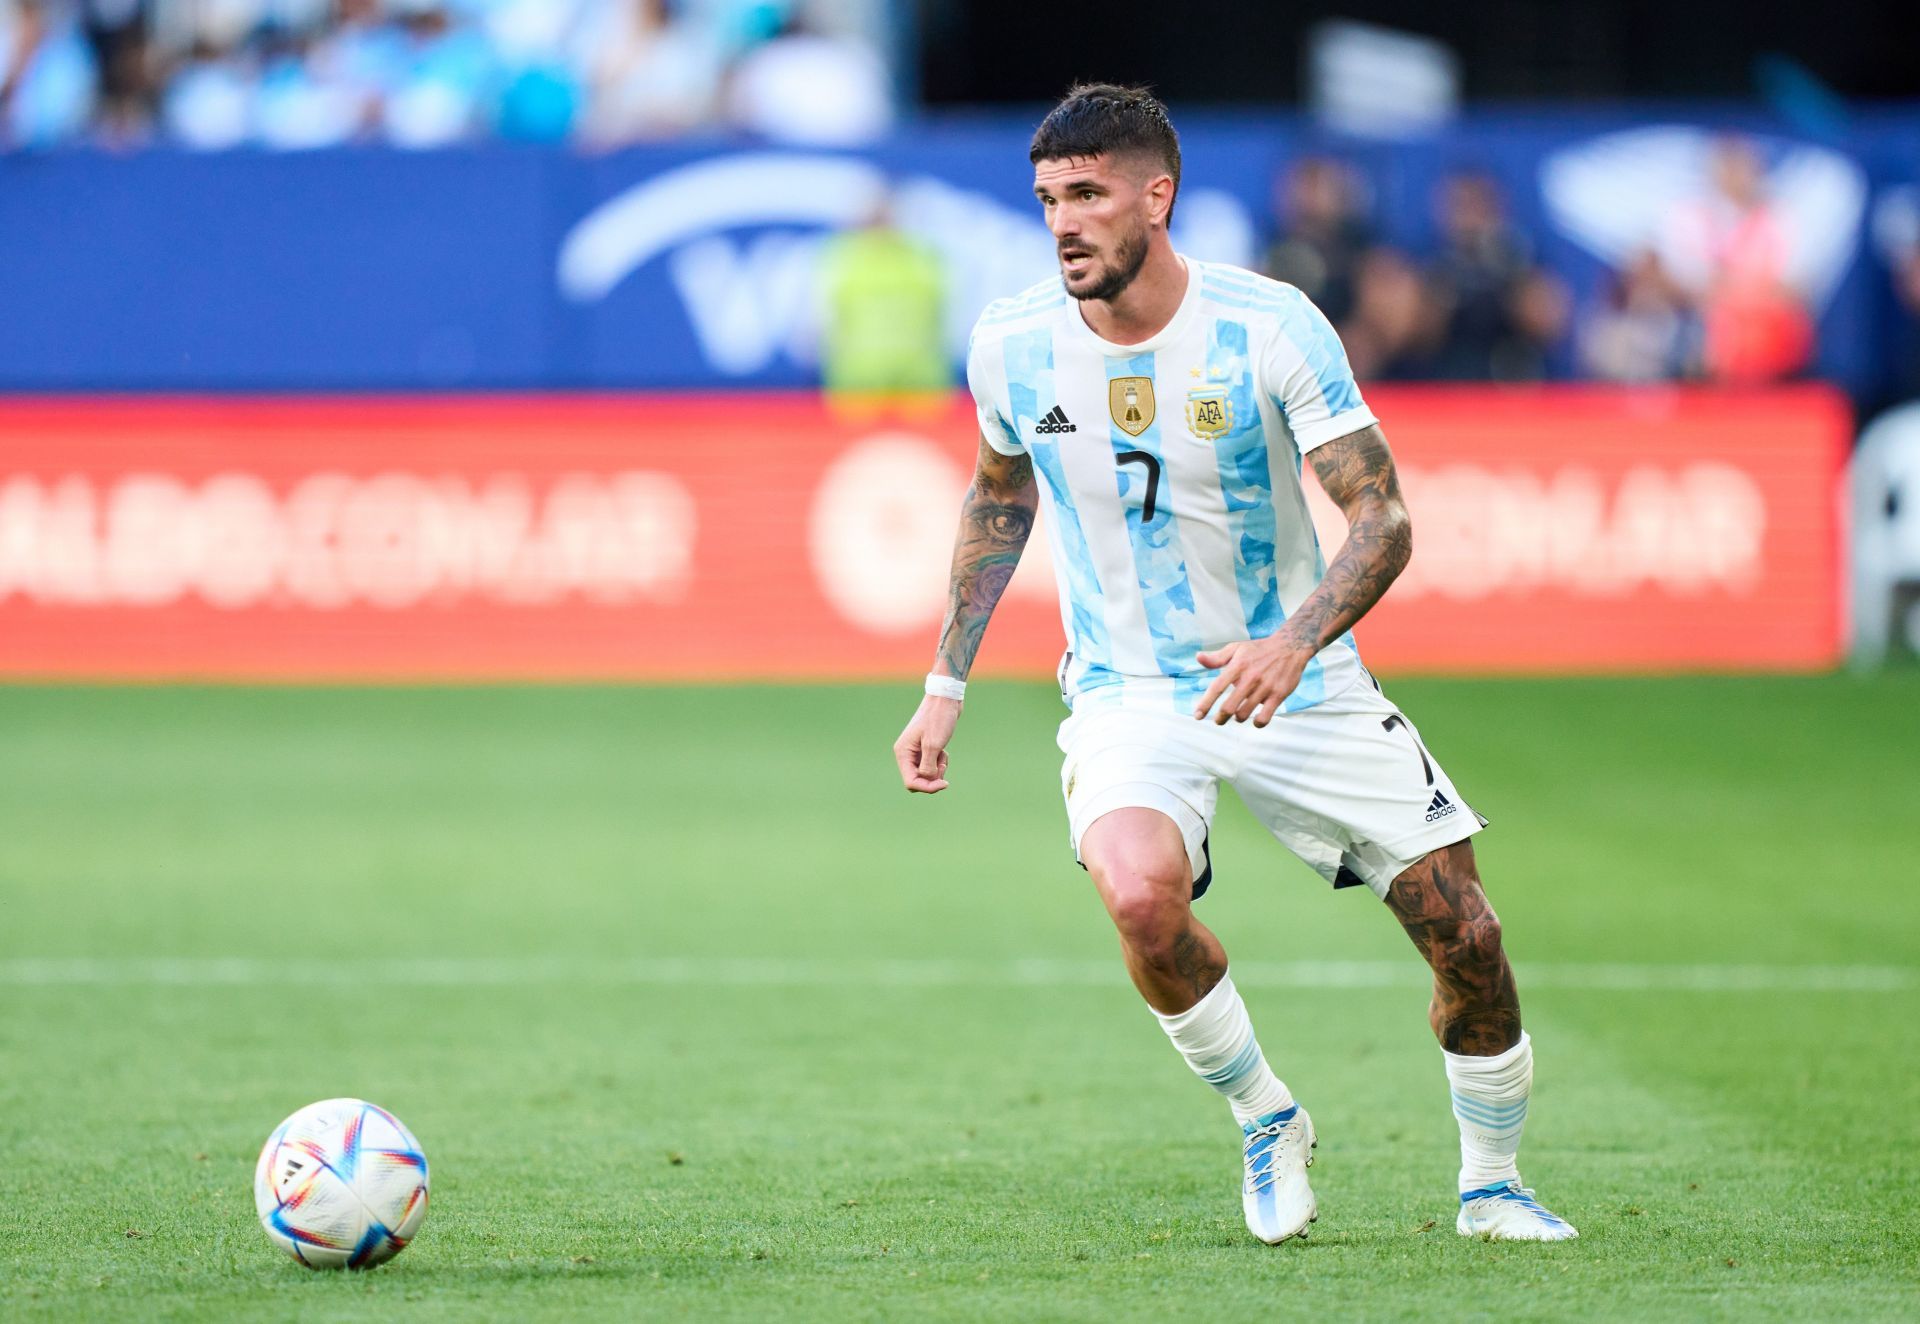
pixel 1490 1103
pixel 1216 1038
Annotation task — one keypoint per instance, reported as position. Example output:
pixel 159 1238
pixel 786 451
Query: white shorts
pixel 1346 785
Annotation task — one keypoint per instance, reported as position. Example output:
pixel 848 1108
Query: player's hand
pixel 1256 676
pixel 921 750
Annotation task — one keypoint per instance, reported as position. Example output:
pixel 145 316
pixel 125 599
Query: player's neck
pixel 1142 310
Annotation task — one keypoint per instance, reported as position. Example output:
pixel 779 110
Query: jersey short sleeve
pixel 986 378
pixel 1304 369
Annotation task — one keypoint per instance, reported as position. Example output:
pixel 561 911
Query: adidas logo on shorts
pixel 1440 807
pixel 1055 421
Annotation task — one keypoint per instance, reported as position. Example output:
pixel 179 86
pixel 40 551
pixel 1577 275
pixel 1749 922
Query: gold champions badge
pixel 1130 401
pixel 1209 414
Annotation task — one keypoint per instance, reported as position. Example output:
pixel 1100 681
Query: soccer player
pixel 1163 408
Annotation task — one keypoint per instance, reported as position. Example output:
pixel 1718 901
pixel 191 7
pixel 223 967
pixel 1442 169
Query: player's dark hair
pixel 1096 119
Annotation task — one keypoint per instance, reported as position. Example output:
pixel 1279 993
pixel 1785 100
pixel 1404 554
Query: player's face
pixel 1098 215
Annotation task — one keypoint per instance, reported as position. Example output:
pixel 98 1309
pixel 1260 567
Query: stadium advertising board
pixel 707 536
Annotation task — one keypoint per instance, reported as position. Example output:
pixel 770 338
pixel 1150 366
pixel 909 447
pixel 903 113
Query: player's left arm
pixel 1257 675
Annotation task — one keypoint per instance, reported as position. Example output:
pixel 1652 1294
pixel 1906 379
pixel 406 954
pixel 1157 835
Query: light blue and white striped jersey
pixel 1172 471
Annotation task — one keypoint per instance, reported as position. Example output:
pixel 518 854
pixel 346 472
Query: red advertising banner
pixel 760 535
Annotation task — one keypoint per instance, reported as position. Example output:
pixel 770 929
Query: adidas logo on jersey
pixel 1055 421
pixel 1440 807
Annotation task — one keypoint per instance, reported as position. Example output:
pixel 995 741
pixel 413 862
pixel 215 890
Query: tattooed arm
pixel 1357 472
pixel 995 521
pixel 1257 675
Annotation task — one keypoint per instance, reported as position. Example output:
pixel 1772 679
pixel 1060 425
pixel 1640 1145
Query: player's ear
pixel 1159 198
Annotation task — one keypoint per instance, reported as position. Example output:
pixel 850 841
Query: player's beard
pixel 1129 255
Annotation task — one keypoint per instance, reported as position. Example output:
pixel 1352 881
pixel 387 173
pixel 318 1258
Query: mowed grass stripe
pixel 1031 973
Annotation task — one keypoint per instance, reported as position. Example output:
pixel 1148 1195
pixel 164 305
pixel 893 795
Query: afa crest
pixel 1130 401
pixel 1209 414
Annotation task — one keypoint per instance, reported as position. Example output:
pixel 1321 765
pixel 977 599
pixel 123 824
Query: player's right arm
pixel 996 519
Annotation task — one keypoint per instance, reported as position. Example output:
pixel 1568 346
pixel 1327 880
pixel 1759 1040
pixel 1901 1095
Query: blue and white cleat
pixel 1277 1199
pixel 1508 1212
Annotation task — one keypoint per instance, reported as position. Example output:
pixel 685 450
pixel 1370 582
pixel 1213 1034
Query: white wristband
pixel 946 687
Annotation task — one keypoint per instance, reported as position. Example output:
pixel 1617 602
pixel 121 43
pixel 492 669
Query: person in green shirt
pixel 884 343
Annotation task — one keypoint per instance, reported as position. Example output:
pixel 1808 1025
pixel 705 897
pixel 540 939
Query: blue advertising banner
pixel 695 265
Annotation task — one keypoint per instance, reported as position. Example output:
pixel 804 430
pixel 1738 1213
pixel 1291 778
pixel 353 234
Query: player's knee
pixel 1150 923
pixel 1138 868
pixel 1148 899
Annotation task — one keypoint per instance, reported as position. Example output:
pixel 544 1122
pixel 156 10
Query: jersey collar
pixel 1175 327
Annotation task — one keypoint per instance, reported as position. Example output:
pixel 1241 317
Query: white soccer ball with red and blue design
pixel 341 1184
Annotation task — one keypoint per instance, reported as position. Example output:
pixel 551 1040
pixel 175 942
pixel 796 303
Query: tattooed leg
pixel 1139 862
pixel 1476 1008
pixel 1476 1017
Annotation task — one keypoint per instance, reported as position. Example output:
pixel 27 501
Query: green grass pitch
pixel 698 1015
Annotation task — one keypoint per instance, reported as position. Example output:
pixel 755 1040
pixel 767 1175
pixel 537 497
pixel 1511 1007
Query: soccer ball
pixel 341 1184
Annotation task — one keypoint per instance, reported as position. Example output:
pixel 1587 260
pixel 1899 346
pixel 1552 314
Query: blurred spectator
pixel 437 78
pixel 349 65
pixel 812 89
pixel 1896 225
pixel 1391 318
pixel 1645 331
pixel 884 296
pixel 646 76
pixel 1494 314
pixel 297 102
pixel 1323 237
pixel 117 32
pixel 47 73
pixel 543 92
pixel 1728 250
pixel 208 103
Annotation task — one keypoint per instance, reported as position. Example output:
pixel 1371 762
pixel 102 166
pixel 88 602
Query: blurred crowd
pixel 1707 298
pixel 426 73
pixel 1709 293
pixel 1476 307
pixel 1897 236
